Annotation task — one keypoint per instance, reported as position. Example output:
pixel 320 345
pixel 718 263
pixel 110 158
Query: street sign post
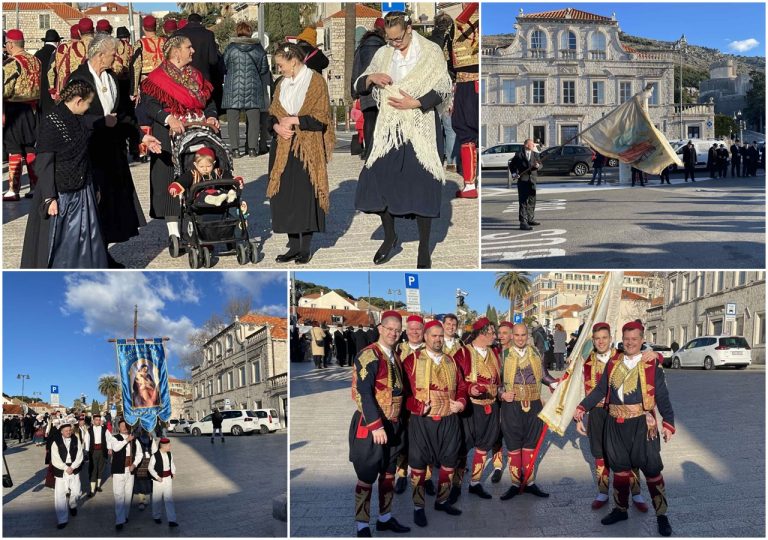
pixel 55 395
pixel 518 318
pixel 412 296
pixel 730 311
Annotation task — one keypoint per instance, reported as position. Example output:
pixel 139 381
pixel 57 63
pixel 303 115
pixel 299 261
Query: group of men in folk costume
pixel 429 401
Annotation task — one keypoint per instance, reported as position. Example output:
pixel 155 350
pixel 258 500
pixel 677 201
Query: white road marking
pixel 509 246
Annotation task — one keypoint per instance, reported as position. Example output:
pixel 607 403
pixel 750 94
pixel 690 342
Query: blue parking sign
pixel 386 7
pixel 411 281
pixel 54 389
pixel 518 318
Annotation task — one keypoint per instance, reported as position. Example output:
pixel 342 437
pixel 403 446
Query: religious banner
pixel 144 381
pixel 628 134
pixel 558 411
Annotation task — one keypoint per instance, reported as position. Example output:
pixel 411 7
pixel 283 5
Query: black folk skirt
pixel 294 208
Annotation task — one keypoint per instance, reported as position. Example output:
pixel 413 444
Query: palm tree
pixel 350 27
pixel 513 286
pixel 109 387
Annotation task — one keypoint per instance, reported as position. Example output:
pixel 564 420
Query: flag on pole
pixel 144 381
pixel 558 411
pixel 628 135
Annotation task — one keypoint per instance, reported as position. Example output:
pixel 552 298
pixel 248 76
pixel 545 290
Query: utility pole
pixel 135 320
pixel 22 376
pixel 260 23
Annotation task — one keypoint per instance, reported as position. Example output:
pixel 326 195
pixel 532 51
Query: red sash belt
pixel 165 474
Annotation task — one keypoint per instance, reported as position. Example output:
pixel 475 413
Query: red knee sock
pixel 14 172
pixel 30 159
pixel 621 482
pixel 478 464
pixel 386 489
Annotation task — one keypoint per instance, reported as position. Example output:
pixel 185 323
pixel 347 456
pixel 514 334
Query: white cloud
pixel 744 45
pixel 106 300
pixel 253 283
pixel 276 310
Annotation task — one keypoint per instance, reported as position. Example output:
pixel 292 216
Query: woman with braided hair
pixel 172 95
pixel 63 227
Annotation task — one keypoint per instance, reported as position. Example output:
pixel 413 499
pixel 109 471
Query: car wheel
pixel 580 169
pixel 709 363
pixel 264 430
pixel 744 366
pixel 196 432
pixel 237 431
pixel 613 162
pixel 675 363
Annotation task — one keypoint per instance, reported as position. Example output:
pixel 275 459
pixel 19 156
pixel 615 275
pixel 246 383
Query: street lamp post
pixel 23 377
pixel 394 293
pixel 740 123
pixel 244 342
pixel 681 43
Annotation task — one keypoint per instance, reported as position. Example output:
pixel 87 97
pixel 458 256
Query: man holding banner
pixel 631 389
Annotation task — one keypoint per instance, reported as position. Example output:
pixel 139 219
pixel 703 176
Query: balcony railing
pixel 278 382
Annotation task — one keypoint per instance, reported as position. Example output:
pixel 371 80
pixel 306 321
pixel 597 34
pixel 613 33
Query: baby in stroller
pixel 203 170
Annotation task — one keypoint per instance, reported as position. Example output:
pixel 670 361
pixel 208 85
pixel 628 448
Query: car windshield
pixel 734 342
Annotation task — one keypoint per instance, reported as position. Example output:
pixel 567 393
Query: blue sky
pixel 731 27
pixel 437 289
pixel 55 324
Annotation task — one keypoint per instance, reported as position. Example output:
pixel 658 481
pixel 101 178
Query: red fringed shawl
pixel 181 91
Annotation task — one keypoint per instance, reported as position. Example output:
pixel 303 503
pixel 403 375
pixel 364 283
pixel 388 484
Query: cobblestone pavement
pixel 714 468
pixel 219 490
pixel 350 240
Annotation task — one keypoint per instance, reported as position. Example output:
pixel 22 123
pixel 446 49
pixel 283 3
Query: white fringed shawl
pixel 396 127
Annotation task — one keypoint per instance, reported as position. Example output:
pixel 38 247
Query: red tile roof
pixel 112 9
pixel 65 11
pixel 567 13
pixel 629 295
pixel 279 325
pixel 361 12
pixel 12 409
pixel 351 317
pixel 658 301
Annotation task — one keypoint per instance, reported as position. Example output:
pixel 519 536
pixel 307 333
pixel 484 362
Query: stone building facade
pixel 694 303
pixel 117 14
pixel 244 366
pixel 34 18
pixel 566 69
pixel 727 88
pixel 180 391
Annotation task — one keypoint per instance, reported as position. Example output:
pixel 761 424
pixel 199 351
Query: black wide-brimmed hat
pixel 122 33
pixel 51 35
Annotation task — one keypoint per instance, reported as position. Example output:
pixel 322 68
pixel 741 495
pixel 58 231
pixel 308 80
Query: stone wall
pixel 29 24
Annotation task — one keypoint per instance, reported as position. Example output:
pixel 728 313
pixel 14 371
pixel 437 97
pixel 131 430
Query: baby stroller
pixel 203 226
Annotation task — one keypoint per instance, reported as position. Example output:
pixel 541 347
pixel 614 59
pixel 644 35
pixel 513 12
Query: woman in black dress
pixel 63 227
pixel 403 174
pixel 298 162
pixel 172 95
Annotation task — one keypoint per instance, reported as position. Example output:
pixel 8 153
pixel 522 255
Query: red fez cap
pixel 14 35
pixel 378 23
pixel 415 318
pixel 507 324
pixel 170 26
pixel 205 151
pixel 601 326
pixel 432 323
pixel 149 23
pixel 182 23
pixel 391 313
pixel 165 440
pixel 74 32
pixel 85 25
pixel 633 325
pixel 480 323
pixel 102 25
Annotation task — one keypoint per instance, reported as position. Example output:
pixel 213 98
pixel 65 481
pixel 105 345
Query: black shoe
pixel 252 153
pixel 533 223
pixel 400 484
pixel 365 532
pixel 447 508
pixel 288 256
pixel 391 525
pixel 112 263
pixel 90 495
pixel 73 511
pixel 424 261
pixel 172 524
pixel 98 489
pixel 454 495
pixel 222 440
pixel 303 258
pixel 119 527
pixel 29 194
pixel 158 521
pixel 533 489
pixel 511 492
pixel 420 517
pixel 385 252
pixel 496 476
pixel 615 516
pixel 429 488
pixel 665 529
pixel 61 525
pixel 478 490
pixel 263 150
pixel 525 227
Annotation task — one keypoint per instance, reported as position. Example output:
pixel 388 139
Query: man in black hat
pixel 46 55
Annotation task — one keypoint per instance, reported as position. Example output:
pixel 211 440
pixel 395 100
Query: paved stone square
pixel 714 468
pixel 220 490
pixel 350 240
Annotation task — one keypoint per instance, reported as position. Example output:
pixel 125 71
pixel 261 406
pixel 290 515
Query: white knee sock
pixel 173 228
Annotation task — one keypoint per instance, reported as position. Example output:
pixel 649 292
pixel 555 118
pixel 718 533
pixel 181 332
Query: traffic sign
pixel 54 389
pixel 412 296
pixel 411 281
pixel 386 7
pixel 730 311
pixel 518 318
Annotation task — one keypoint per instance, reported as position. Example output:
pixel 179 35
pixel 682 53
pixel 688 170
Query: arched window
pixel 538 44
pixel 218 349
pixel 597 46
pixel 568 45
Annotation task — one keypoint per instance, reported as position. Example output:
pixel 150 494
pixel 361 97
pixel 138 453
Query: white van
pixel 240 421
pixel 702 147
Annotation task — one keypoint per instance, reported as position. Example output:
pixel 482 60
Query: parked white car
pixel 709 352
pixel 179 426
pixel 240 421
pixel 498 156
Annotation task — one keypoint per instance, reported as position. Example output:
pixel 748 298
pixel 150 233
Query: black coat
pixel 369 44
pixel 119 210
pixel 689 156
pixel 711 156
pixel 246 64
pixel 361 339
pixel 519 164
pixel 341 345
pixel 217 419
pixel 349 338
pixel 46 56
pixel 206 56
